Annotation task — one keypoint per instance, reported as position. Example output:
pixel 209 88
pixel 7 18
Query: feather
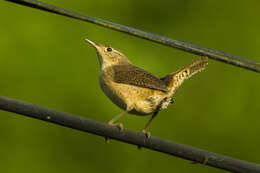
pixel 132 75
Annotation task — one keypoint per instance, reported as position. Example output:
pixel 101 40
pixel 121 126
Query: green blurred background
pixel 44 60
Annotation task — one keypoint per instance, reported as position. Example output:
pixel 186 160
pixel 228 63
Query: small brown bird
pixel 135 90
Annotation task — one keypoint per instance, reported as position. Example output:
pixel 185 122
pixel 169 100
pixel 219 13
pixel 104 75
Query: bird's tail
pixel 174 80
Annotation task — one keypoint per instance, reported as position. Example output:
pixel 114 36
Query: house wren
pixel 135 90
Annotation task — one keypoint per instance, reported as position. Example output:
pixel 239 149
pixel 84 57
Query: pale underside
pixel 139 100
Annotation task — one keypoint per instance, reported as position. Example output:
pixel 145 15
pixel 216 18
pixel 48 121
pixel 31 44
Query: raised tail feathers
pixel 174 80
pixel 195 67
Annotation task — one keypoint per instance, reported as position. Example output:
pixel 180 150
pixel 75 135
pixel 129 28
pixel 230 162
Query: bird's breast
pixel 111 92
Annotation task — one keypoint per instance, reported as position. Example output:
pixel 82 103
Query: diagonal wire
pixel 131 137
pixel 182 45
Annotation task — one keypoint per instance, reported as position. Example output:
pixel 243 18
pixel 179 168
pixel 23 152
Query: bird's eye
pixel 109 49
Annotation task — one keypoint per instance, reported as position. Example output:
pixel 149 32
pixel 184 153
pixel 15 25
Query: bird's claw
pixel 119 125
pixel 146 133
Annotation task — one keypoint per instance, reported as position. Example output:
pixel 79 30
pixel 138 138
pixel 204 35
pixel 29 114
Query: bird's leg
pixel 158 108
pixel 119 125
pixel 148 134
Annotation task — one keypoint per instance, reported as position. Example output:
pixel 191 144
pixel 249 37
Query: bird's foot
pixel 205 161
pixel 146 133
pixel 119 125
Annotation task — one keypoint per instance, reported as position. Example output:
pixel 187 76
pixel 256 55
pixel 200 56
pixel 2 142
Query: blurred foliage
pixel 44 60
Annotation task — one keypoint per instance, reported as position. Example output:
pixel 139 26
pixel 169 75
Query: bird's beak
pixel 92 43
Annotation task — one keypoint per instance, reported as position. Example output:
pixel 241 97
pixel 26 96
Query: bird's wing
pixel 132 75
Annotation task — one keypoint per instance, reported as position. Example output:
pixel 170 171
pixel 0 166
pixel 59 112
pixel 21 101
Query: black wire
pixel 131 137
pixel 182 45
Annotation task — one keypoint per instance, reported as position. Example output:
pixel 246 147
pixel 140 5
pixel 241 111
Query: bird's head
pixel 108 55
